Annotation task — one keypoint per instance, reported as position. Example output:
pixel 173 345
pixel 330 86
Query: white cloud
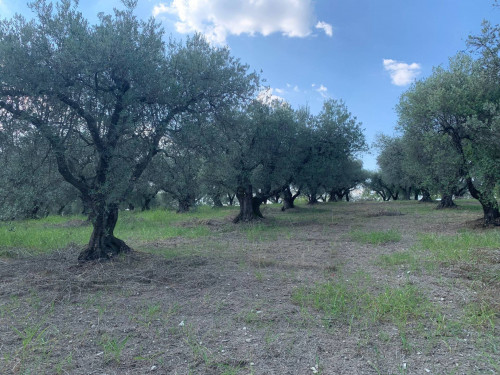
pixel 401 73
pixel 321 89
pixel 219 18
pixel 327 28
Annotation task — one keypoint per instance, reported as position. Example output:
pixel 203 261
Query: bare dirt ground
pixel 224 304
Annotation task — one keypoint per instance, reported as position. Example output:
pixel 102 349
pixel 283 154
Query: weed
pixel 63 364
pixel 259 275
pixel 397 259
pixel 31 335
pixel 112 347
pixel 480 314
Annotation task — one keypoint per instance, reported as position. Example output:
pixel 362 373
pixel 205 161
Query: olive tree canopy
pixel 105 96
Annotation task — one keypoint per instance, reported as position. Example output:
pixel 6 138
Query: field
pixel 337 288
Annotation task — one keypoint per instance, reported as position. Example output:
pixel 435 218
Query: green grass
pixel 397 259
pixel 461 247
pixel 31 237
pixel 37 236
pixel 375 237
pixel 354 300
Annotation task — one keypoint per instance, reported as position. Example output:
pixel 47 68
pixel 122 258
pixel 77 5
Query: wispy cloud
pixel 401 73
pixel 321 89
pixel 219 18
pixel 326 27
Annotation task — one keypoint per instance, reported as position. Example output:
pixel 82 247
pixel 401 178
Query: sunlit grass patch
pixel 375 237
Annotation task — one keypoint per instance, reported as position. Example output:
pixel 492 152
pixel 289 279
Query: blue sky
pixel 365 52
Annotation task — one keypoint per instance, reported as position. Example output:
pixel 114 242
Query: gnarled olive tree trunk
pixel 103 244
pixel 216 199
pixel 426 196
pixel 185 203
pixel 488 201
pixel 446 202
pixel 289 198
pixel 249 205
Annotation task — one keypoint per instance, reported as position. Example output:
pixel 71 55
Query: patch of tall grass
pixel 349 300
pixel 460 247
pixel 30 237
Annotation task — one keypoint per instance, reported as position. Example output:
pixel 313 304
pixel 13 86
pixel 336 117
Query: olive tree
pixel 459 103
pixel 334 137
pixel 115 88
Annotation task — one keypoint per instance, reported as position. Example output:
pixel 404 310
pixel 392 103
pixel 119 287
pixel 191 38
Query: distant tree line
pixel 109 116
pixel 450 132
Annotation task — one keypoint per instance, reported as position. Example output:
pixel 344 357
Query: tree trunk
pixel 407 194
pixel 61 209
pixel 426 196
pixel 217 201
pixel 146 203
pixel 103 244
pixel 446 202
pixel 289 198
pixel 333 196
pixel 488 201
pixel 491 213
pixel 313 199
pixel 347 196
pixel 249 205
pixel 230 198
pixel 185 204
pixel 415 195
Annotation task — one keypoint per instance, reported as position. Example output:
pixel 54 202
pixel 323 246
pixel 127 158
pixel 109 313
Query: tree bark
pixel 185 204
pixel 488 202
pixel 313 199
pixel 446 202
pixel 103 244
pixel 407 194
pixel 415 194
pixel 217 201
pixel 289 198
pixel 249 205
pixel 426 196
pixel 333 196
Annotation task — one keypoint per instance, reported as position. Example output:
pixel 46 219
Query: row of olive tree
pixel 264 150
pixel 450 125
pixel 117 111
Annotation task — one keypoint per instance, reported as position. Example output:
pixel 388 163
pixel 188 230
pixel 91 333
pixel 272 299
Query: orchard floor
pixel 337 288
